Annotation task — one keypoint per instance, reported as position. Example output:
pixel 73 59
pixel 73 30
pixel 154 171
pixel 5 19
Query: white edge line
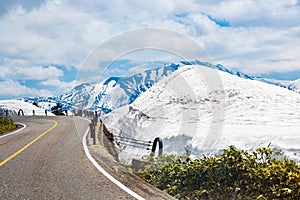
pixel 105 173
pixel 24 126
pixel 83 118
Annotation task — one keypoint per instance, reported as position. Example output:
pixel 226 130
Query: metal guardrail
pixel 127 141
pixel 122 140
pixel 142 144
pixel 93 125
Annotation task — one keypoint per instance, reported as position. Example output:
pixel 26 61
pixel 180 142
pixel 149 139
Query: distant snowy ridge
pixel 119 91
pixel 291 85
pixel 256 114
pixel 45 103
pixel 108 95
pixel 13 107
pixel 218 67
pixel 294 85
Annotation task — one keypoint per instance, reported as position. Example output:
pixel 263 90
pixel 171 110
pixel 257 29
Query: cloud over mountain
pixel 252 36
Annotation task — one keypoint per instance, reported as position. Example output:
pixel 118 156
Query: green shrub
pixel 258 175
pixel 6 125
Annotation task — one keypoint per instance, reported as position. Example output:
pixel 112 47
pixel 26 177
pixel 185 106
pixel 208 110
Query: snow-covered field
pixel 13 107
pixel 192 109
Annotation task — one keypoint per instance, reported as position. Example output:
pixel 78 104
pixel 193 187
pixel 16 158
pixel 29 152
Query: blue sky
pixel 44 43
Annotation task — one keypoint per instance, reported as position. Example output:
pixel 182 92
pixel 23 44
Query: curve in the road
pixel 105 173
pixel 16 131
pixel 28 144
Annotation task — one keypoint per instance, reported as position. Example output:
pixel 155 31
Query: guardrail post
pixel 20 112
pixel 94 138
pixel 92 131
pixel 160 147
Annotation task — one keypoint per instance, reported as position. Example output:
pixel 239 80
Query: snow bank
pixel 13 106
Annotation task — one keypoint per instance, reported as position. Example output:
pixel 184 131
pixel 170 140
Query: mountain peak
pixel 115 92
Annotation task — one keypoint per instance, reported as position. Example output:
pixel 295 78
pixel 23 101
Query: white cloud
pixel 17 71
pixel 45 35
pixel 252 49
pixel 65 32
pixel 60 85
pixel 15 89
pixel 268 13
pixel 139 69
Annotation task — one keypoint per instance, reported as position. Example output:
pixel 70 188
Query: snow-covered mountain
pixel 291 85
pixel 218 67
pixel 189 110
pixel 79 97
pixel 45 103
pixel 294 85
pixel 112 93
pixel 118 91
pixel 13 107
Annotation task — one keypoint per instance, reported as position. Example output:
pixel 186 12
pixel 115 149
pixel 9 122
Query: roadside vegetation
pixel 6 125
pixel 234 174
pixel 57 109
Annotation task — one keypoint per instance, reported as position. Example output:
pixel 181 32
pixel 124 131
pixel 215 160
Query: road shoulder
pixel 121 173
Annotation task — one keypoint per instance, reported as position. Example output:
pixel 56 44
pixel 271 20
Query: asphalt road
pixel 54 166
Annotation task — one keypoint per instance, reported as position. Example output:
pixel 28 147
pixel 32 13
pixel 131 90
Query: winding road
pixel 46 160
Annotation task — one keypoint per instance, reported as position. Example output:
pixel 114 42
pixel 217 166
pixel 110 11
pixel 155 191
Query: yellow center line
pixel 29 144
